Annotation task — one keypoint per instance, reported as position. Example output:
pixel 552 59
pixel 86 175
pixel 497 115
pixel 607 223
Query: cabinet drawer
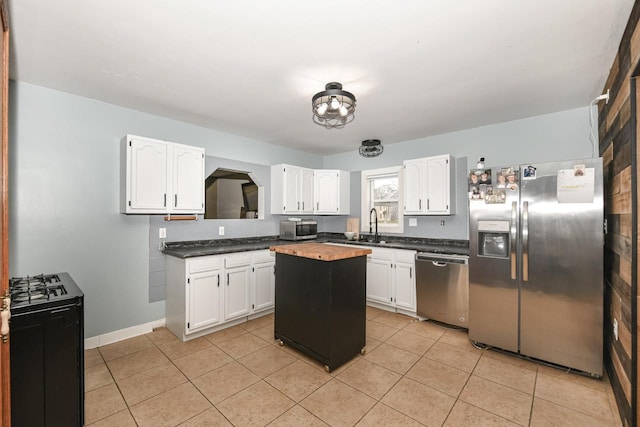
pixel 382 253
pixel 264 256
pixel 237 260
pixel 205 263
pixel 405 256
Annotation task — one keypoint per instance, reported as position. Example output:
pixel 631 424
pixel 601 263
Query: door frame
pixel 5 384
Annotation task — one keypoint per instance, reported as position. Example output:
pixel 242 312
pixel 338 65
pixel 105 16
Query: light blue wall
pixel 64 196
pixel 547 138
pixel 64 189
pixel 558 136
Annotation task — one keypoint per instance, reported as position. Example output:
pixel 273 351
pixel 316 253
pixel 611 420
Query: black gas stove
pixel 37 292
pixel 47 351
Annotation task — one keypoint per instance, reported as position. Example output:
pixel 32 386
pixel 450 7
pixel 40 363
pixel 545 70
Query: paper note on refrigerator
pixel 576 185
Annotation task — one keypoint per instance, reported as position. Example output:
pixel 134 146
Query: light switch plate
pixel 221 231
pixel 413 222
pixel 162 233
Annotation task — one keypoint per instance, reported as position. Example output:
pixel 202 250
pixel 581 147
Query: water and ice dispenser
pixel 493 239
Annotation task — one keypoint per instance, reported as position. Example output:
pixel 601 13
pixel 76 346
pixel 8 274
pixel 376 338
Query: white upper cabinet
pixel 297 190
pixel 188 179
pixel 331 192
pixel 438 186
pixel 161 177
pixel 427 186
pixel 307 191
pixel 291 189
pixel 414 186
pixel 146 176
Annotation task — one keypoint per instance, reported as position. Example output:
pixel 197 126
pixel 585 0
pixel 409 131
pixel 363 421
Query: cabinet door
pixel 203 300
pixel 378 280
pixel 147 170
pixel 188 179
pixel 405 286
pixel 326 192
pixel 291 189
pixel 414 197
pixel 438 185
pixel 264 282
pixel 236 296
pixel 307 191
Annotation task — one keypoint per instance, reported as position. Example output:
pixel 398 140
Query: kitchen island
pixel 320 306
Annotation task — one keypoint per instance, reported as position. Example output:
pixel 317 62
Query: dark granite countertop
pixel 196 248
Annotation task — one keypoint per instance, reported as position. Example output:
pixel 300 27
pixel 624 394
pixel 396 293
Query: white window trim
pixel 365 201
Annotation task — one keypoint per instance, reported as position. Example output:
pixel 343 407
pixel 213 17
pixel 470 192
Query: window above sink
pixel 382 190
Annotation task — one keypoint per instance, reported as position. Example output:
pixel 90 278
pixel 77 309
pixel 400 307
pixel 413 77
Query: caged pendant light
pixel 333 107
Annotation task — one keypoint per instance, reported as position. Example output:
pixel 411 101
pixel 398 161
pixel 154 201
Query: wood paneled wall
pixel 618 147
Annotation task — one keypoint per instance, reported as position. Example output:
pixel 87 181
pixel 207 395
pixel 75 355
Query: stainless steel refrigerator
pixel 536 261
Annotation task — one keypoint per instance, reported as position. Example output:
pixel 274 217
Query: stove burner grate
pixel 32 288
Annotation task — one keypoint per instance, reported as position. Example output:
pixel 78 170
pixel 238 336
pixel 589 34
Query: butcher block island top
pixel 320 251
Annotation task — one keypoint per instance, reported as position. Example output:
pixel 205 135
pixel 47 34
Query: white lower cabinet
pixel 264 280
pixel 236 292
pixel 391 280
pixel 203 290
pixel 205 293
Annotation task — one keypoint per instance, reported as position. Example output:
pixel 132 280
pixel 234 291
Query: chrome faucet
pixel 373 210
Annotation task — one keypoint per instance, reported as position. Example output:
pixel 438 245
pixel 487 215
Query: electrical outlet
pixel 221 231
pixel 615 328
pixel 162 233
pixel 413 222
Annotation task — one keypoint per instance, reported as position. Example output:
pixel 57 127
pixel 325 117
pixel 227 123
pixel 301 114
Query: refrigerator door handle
pixel 512 235
pixel 525 241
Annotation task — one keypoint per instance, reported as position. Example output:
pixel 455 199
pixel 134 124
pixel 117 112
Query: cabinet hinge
pixel 129 202
pixel 218 280
pixel 129 143
pixel 188 325
pixel 188 280
pixel 447 161
pixel 253 269
pixel 253 306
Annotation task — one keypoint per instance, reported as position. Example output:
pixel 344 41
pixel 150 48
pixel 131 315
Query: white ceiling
pixel 249 67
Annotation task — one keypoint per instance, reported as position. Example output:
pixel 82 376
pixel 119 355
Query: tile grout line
pixel 420 356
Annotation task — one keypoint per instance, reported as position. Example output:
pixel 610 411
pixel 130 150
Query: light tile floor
pixel 413 374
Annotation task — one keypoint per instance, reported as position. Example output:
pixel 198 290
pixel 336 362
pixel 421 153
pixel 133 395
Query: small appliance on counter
pixel 47 351
pixel 298 229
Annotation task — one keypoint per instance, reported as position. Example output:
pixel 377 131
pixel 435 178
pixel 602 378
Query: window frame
pixel 366 203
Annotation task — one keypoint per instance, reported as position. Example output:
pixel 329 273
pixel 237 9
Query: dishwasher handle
pixel 441 259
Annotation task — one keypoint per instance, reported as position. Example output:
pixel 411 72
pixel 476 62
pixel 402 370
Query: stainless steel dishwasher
pixel 442 287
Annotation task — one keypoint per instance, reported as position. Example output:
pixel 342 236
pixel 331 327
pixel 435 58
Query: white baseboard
pixel 122 334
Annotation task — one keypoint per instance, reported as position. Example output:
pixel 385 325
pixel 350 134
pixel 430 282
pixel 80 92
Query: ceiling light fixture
pixel 333 107
pixel 371 148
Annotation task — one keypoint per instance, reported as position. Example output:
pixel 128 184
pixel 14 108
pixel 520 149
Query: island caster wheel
pixel 281 343
pixel 327 368
pixel 363 350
